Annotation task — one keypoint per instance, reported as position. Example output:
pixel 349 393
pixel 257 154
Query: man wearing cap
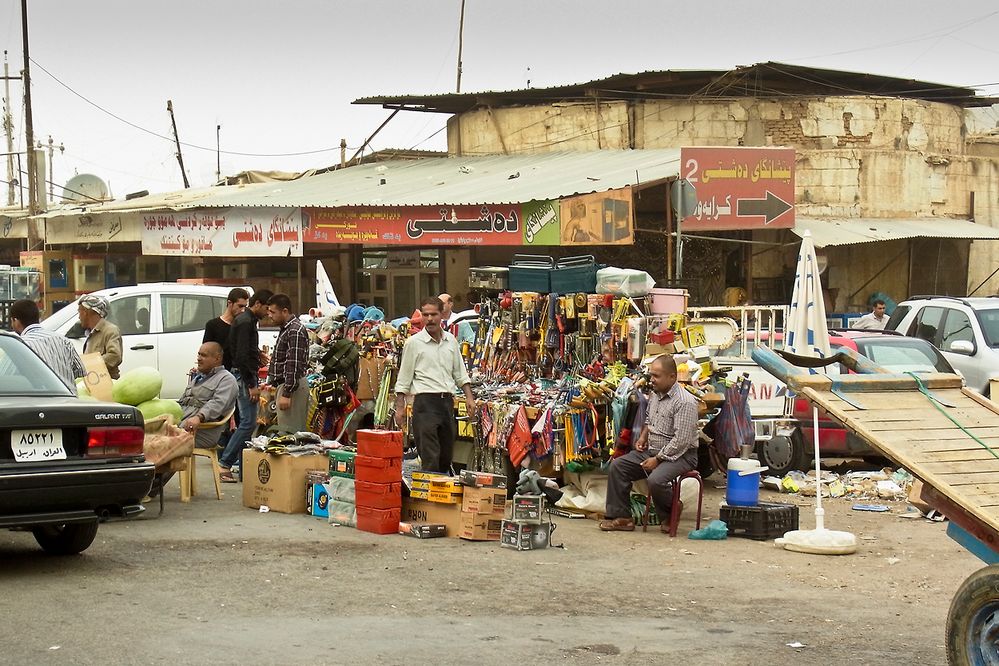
pixel 103 337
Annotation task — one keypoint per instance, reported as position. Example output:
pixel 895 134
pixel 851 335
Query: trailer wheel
pixel 783 454
pixel 973 621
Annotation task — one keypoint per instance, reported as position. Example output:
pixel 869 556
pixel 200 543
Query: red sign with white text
pixel 416 225
pixel 739 188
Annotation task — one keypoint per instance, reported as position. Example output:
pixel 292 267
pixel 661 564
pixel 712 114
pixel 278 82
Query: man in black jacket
pixel 218 329
pixel 244 344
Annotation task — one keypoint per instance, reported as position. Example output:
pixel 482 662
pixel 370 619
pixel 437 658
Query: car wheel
pixel 783 454
pixel 68 539
pixel 973 620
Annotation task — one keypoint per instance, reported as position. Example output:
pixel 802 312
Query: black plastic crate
pixel 763 522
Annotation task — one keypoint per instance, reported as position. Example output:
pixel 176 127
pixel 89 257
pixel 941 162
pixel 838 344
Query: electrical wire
pixel 170 139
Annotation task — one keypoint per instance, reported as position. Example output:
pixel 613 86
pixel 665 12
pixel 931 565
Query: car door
pixel 958 327
pixel 132 315
pixel 183 318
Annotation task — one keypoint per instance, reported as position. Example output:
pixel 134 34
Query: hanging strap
pixel 936 403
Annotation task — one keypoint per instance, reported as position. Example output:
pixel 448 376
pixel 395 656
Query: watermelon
pixel 152 408
pixel 81 390
pixel 137 386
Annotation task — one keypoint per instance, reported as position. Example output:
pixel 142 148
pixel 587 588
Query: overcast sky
pixel 279 77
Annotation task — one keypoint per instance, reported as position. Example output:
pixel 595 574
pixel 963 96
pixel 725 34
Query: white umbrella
pixel 806 334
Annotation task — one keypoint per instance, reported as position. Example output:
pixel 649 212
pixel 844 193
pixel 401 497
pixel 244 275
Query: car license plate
pixel 37 445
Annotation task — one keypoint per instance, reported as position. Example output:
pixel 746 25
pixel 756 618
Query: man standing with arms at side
pixel 666 449
pixel 103 337
pixel 217 330
pixel 244 342
pixel 289 366
pixel 431 369
pixel 57 351
pixel 874 320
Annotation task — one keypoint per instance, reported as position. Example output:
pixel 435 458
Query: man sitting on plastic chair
pixel 210 396
pixel 666 449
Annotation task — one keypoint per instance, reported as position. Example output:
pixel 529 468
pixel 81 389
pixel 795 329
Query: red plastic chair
pixel 674 514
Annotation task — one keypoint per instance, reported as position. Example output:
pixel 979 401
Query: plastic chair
pixel 674 514
pixel 188 482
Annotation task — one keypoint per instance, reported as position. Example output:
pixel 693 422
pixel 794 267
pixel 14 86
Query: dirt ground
pixel 214 582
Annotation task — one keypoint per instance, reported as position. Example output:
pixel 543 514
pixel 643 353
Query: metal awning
pixel 851 231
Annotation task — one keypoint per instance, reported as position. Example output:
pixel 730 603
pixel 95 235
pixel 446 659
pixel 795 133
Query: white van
pixel 162 325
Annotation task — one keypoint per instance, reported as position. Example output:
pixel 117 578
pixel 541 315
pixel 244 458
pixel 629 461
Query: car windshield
pixel 22 373
pixel 989 320
pixel 904 355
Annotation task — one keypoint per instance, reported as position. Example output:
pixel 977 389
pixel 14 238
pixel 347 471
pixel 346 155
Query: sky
pixel 279 77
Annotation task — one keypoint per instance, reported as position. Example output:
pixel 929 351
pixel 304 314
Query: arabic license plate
pixel 37 445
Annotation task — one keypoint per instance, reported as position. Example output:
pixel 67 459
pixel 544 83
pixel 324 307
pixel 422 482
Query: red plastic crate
pixel 378 470
pixel 378 495
pixel 379 443
pixel 378 521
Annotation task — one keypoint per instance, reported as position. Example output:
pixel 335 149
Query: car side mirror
pixel 75 332
pixel 962 347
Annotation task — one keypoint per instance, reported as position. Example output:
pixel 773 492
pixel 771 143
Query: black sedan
pixel 65 463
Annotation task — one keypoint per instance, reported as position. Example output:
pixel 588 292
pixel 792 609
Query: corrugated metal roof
pixel 851 231
pixel 497 179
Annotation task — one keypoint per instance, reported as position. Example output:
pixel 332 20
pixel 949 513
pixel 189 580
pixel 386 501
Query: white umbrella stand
pixel 806 334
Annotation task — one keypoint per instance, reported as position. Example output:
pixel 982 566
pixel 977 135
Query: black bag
pixel 333 393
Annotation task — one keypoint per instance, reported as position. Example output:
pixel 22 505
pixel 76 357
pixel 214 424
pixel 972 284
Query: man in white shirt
pixel 431 369
pixel 874 320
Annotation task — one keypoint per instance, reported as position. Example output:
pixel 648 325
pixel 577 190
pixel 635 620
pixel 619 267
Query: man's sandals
pixel 618 525
pixel 226 476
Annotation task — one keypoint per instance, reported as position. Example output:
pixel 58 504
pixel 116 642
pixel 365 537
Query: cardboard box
pixel 276 481
pixel 342 463
pixel 480 527
pixel 487 501
pixel 423 511
pixel 423 530
pixel 320 500
pixel 519 535
pixel 528 508
pixel 369 377
pixel 443 496
pixel 482 479
pixel 914 496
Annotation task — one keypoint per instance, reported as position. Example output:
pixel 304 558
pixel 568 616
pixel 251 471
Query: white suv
pixel 162 326
pixel 965 330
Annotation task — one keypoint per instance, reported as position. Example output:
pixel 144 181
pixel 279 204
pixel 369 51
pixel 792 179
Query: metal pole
pixel 29 136
pixel 180 157
pixel 373 134
pixel 461 41
pixel 8 128
pixel 218 152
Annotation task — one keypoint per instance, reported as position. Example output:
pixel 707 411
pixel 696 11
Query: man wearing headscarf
pixel 103 337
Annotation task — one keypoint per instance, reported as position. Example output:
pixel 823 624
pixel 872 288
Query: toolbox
pixel 378 495
pixel 762 522
pixel 543 274
pixel 342 463
pixel 520 535
pixel 378 470
pixel 528 508
pixel 378 521
pixel 379 443
pixel 489 277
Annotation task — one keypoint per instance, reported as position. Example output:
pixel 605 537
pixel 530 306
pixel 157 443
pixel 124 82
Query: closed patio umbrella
pixel 806 334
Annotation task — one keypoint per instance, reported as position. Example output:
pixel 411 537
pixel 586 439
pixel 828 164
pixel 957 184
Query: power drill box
pixel 521 535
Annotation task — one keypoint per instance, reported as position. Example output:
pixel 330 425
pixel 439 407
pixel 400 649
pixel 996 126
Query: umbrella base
pixel 819 542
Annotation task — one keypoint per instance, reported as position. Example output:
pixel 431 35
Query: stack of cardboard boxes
pixel 470 506
pixel 378 480
pixel 483 506
pixel 527 528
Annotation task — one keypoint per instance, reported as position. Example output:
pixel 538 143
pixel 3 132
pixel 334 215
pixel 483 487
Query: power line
pixel 166 138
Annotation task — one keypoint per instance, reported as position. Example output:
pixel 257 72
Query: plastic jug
pixel 743 489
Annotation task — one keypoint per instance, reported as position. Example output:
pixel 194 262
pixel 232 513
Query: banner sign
pixel 224 232
pixel 97 228
pixel 534 223
pixel 603 218
pixel 739 188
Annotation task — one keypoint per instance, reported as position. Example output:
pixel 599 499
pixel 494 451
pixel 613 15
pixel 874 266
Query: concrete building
pixel 887 175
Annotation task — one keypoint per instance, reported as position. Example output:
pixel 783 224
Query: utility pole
pixel 52 148
pixel 13 177
pixel 343 153
pixel 218 153
pixel 461 36
pixel 180 157
pixel 29 136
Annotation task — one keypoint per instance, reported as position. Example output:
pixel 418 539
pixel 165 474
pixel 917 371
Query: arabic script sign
pixel 433 225
pixel 227 232
pixel 740 188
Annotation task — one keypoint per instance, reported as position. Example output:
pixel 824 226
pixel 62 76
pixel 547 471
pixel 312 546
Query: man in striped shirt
pixel 57 351
pixel 666 449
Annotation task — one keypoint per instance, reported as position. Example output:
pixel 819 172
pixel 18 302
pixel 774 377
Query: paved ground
pixel 212 582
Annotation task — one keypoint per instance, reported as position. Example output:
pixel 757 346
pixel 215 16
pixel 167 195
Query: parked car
pixel 162 325
pixel 64 462
pixel 791 447
pixel 966 330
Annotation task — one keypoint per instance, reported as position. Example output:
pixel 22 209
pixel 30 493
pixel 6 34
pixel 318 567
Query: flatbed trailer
pixel 947 436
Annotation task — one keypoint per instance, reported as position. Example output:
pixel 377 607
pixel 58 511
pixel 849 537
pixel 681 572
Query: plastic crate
pixel 763 522
pixel 543 274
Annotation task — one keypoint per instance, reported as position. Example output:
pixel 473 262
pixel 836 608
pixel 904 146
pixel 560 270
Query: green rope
pixel 936 403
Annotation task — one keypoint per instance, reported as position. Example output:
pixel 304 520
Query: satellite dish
pixel 85 188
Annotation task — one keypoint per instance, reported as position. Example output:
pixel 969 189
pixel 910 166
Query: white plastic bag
pixel 624 281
